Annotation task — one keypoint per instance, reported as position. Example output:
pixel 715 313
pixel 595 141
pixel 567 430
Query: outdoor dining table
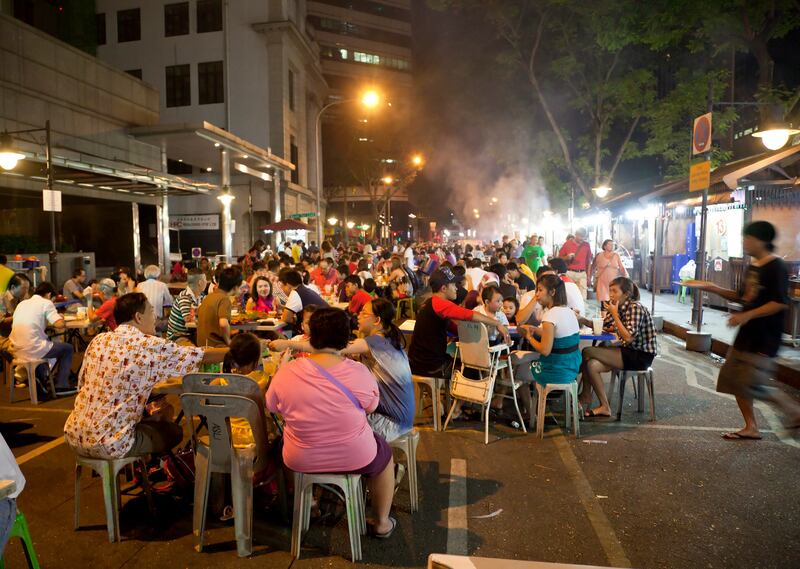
pixel 407 327
pixel 251 326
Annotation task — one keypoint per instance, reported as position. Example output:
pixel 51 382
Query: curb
pixel 785 374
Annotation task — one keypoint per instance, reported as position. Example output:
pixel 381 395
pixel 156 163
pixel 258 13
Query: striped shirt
pixel 180 312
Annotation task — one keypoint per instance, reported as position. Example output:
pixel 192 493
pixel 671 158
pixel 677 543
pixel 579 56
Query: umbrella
pixel 286 225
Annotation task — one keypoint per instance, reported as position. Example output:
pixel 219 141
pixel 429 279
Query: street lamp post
pixel 370 99
pixel 8 161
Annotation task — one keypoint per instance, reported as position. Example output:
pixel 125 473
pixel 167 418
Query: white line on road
pixel 38 451
pixel 457 508
pixel 602 527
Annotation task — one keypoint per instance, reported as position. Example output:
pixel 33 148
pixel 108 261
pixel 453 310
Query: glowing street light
pixel 776 138
pixel 332 221
pixel 387 180
pixel 370 99
pixel 417 160
pixel 601 191
pixel 351 224
pixel 226 197
pixel 475 211
pixel 8 155
pixel 494 200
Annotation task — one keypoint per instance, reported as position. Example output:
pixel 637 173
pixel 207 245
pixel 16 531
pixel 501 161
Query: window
pixel 371 7
pixel 176 19
pixel 209 16
pixel 294 159
pixel 291 90
pixel 179 93
pixel 100 28
pixel 345 28
pixel 129 25
pixel 135 72
pixel 211 83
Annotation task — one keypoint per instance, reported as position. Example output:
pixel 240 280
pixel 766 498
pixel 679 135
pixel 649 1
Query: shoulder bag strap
pixel 327 375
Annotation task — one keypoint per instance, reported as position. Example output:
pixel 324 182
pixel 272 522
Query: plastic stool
pixel 109 470
pixel 30 368
pixel 20 530
pixel 408 445
pixel 353 500
pixel 570 401
pixel 645 378
pixel 434 385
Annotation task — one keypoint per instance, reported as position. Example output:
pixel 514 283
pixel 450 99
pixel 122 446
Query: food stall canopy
pixel 286 225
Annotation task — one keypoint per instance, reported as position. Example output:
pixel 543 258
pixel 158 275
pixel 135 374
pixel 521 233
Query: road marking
pixel 602 527
pixel 676 427
pixel 38 451
pixel 457 508
pixel 35 409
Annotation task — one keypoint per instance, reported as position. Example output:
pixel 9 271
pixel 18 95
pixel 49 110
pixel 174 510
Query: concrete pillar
pixel 225 182
pixel 162 228
pixel 277 204
pixel 137 238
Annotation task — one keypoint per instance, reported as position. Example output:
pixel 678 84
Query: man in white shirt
pixel 475 274
pixel 574 297
pixel 531 311
pixel 408 255
pixel 9 471
pixel 493 307
pixel 157 292
pixel 30 342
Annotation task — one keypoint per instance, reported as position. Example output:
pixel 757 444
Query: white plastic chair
pixel 353 501
pixel 30 369
pixel 215 452
pixel 476 354
pixel 435 386
pixel 407 444
pixel 645 379
pixel 571 406
pixel 109 470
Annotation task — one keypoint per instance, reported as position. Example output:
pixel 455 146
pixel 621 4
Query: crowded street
pixel 424 284
pixel 628 494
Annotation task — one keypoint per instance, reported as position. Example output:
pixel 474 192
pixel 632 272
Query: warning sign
pixel 700 176
pixel 701 135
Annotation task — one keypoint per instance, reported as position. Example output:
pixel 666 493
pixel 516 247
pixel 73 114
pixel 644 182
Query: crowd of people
pixel 344 389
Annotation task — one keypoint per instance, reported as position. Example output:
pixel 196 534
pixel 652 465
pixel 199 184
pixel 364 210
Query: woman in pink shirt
pixel 324 400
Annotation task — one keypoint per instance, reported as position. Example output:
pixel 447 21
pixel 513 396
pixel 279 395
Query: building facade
pixel 364 44
pixel 247 68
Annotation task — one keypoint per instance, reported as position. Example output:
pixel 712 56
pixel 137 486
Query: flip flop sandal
pixel 388 533
pixel 592 414
pixel 738 437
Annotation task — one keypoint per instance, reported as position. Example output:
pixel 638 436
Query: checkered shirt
pixel 638 322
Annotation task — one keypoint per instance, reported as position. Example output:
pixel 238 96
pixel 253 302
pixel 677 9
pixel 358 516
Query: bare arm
pixel 525 312
pixel 544 345
pixel 725 293
pixel 225 328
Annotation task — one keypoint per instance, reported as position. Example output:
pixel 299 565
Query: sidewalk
pixel 678 315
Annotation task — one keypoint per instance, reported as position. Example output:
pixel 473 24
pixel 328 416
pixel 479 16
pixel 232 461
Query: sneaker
pixel 66 391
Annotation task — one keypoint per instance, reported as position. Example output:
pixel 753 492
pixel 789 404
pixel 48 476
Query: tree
pixel 583 64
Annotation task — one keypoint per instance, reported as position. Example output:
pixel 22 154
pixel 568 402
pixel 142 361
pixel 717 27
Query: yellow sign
pixel 700 176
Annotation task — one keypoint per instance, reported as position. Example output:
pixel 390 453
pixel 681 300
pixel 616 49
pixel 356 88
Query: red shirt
pixel 106 312
pixel 320 279
pixel 358 301
pixel 583 255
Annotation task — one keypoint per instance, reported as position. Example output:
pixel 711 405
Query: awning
pixel 287 225
pixel 727 177
pixel 98 176
pixel 199 144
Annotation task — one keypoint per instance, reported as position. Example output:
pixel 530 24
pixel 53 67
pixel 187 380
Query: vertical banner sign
pixel 701 135
pixel 51 200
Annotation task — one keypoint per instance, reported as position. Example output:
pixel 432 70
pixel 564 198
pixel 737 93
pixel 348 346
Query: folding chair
pixel 476 354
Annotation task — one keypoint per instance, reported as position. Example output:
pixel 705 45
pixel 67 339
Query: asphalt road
pixel 669 494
